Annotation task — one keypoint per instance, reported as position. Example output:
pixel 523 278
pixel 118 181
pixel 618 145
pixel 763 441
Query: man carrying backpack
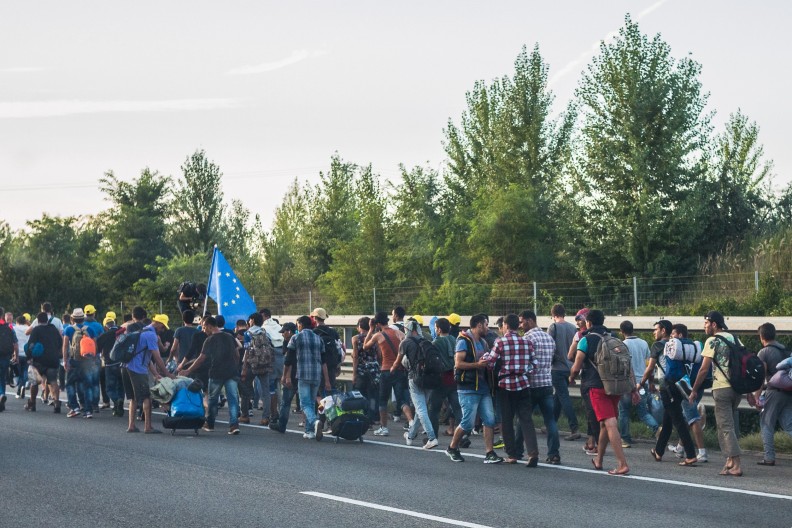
pixel 605 406
pixel 79 361
pixel 44 348
pixel 671 371
pixel 716 349
pixel 332 346
pixel 413 356
pixel 447 391
pixel 9 348
pixel 258 362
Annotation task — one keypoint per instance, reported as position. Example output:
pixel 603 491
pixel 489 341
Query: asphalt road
pixel 77 472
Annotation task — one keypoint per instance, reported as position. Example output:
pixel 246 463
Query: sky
pixel 271 90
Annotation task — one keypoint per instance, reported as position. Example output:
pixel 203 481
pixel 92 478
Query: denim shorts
pixel 473 403
pixel 691 411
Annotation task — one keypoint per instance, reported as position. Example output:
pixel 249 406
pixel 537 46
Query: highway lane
pixel 93 473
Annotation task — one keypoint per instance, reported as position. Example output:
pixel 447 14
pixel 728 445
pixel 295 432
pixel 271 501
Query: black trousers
pixel 673 416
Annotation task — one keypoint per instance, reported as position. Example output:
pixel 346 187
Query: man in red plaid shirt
pixel 513 360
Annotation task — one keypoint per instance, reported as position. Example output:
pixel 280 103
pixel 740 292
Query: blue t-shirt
pixel 146 345
pixel 69 330
pixel 96 328
pixel 481 349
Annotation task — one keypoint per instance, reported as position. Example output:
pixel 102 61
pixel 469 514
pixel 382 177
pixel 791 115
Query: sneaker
pixel 454 455
pixel 626 445
pixel 309 436
pixel 492 458
pixel 407 439
pixel 87 415
pixel 702 458
pixel 394 419
pixel 318 430
pixel 208 429
pixel 554 460
pixel 499 444
pixel 72 413
pixel 51 402
pixel 431 444
pixel 382 431
pixel 104 405
pixel 244 420
pixel 675 448
pixel 233 430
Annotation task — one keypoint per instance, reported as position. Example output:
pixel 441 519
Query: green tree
pixel 198 208
pixel 134 233
pixel 643 141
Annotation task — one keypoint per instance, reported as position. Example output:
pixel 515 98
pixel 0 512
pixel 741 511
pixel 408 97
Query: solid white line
pixel 410 513
pixel 568 468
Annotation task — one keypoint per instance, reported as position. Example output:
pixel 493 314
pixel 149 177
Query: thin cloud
pixel 33 109
pixel 575 63
pixel 22 69
pixel 294 58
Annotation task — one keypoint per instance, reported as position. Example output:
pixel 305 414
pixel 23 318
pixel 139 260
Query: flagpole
pixel 209 282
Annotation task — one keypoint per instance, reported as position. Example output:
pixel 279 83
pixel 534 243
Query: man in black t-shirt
pixel 46 365
pixel 191 296
pixel 221 350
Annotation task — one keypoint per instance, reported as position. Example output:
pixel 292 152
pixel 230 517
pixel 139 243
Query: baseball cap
pixel 162 319
pixel 110 315
pixel 26 316
pixel 454 319
pixel 582 314
pixel 321 313
pixel 288 327
pixel 419 319
pixel 717 318
pixel 89 309
pixel 108 320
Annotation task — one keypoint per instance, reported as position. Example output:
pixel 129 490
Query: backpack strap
pixel 390 343
pixel 714 360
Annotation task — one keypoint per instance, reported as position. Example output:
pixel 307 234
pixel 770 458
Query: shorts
pixel 691 411
pixel 473 403
pixel 41 374
pixel 136 386
pixel 605 406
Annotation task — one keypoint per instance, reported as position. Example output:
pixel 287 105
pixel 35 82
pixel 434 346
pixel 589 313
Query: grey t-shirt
pixel 563 334
pixel 772 355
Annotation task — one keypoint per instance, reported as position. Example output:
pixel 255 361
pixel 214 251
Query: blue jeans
pixel 22 364
pixel 285 408
pixel 4 363
pixel 625 404
pixel 113 382
pixel 81 380
pixel 232 396
pixel 561 399
pixel 473 403
pixel 543 398
pixel 419 397
pixel 308 390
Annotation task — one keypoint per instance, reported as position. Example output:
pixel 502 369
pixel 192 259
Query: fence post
pixel 534 283
pixel 160 306
pixel 122 310
pixel 756 280
pixel 375 300
pixel 635 292
pixel 310 301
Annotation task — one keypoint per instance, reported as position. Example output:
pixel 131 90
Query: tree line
pixel 629 178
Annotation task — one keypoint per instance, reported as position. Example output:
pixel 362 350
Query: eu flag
pixel 233 301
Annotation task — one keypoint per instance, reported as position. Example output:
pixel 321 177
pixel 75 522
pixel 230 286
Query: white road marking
pixel 410 513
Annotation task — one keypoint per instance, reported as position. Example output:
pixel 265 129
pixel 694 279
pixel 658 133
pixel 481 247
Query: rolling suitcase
pixel 186 411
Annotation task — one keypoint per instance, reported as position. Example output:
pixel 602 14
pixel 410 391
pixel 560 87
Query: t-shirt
pixel 185 336
pixel 589 377
pixel 57 323
pixel 481 349
pixel 105 342
pixel 562 333
pixel 639 354
pixel 50 338
pixel 219 349
pixel 718 351
pixel 95 326
pixel 772 355
pixel 22 338
pixel 147 345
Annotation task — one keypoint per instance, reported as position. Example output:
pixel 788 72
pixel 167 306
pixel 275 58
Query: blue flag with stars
pixel 233 301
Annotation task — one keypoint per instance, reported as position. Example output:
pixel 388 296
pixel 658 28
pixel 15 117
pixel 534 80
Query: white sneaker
pixel 702 458
pixel 394 419
pixel 431 443
pixel 407 439
pixel 309 436
pixel 382 431
pixel 674 448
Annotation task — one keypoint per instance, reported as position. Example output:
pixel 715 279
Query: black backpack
pixel 746 370
pixel 6 341
pixel 125 347
pixel 427 364
pixel 332 345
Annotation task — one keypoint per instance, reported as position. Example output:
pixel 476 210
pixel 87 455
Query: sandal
pixel 623 471
pixel 689 462
pixel 658 458
pixel 594 463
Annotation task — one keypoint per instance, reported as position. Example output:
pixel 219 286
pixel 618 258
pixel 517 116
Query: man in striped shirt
pixel 515 358
pixel 542 380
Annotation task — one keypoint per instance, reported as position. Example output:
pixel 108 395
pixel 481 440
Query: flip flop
pixel 689 462
pixel 619 472
pixel 658 458
pixel 135 430
pixel 594 463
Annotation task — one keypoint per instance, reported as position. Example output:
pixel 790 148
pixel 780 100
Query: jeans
pixel 419 397
pixel 23 372
pixel 517 403
pixel 285 408
pixel 113 382
pixel 4 364
pixel 625 405
pixel 308 390
pixel 473 403
pixel 440 394
pixel 777 408
pixel 561 399
pixel 232 396
pixel 397 382
pixel 543 398
pixel 97 384
pixel 264 379
pixel 80 381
